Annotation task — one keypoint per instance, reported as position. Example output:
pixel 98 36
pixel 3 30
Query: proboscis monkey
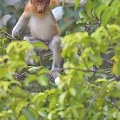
pixel 43 26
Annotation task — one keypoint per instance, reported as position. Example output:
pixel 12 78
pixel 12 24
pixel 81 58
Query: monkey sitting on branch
pixel 43 27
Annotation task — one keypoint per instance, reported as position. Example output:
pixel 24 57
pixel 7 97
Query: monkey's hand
pixel 14 33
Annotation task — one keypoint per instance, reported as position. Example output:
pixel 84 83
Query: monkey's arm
pixel 20 24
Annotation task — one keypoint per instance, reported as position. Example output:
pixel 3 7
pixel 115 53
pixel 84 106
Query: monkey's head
pixel 40 6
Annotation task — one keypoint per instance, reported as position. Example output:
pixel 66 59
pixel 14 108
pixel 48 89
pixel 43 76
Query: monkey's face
pixel 41 6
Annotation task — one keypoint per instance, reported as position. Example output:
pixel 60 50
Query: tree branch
pixel 94 99
pixel 82 70
pixel 71 3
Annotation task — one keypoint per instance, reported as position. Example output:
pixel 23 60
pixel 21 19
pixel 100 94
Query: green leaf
pixel 40 45
pixel 19 106
pixel 77 3
pixel 43 71
pixel 118 86
pixel 34 69
pixel 42 112
pixel 96 116
pixel 99 8
pixel 107 15
pixel 62 97
pixel 52 103
pixel 42 80
pixel 101 80
pixel 40 101
pixel 89 7
pixel 30 114
pixel 22 117
pixel 82 14
pixel 29 79
pixel 72 91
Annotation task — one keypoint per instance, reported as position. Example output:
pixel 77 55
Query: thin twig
pixel 82 70
pixel 93 100
pixel 9 35
pixel 108 61
pixel 92 71
pixel 18 76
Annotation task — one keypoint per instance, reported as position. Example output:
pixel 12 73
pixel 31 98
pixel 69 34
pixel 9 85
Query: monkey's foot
pixel 54 73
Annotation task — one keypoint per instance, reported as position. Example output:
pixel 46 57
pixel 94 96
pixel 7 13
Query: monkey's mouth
pixel 40 12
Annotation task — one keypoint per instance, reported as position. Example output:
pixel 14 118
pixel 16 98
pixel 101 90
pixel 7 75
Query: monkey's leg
pixel 54 46
pixel 31 39
pixel 30 60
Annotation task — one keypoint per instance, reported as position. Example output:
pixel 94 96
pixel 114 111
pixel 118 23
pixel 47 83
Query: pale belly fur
pixel 42 28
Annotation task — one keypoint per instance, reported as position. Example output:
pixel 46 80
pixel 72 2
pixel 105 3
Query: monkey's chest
pixel 41 28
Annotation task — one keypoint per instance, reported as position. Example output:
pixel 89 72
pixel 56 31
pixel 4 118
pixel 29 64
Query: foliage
pixel 89 85
pixel 3 42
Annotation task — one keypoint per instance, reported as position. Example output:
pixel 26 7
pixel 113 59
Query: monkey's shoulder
pixel 53 3
pixel 28 7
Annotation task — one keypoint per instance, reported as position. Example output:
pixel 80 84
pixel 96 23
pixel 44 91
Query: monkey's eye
pixel 37 4
pixel 43 4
